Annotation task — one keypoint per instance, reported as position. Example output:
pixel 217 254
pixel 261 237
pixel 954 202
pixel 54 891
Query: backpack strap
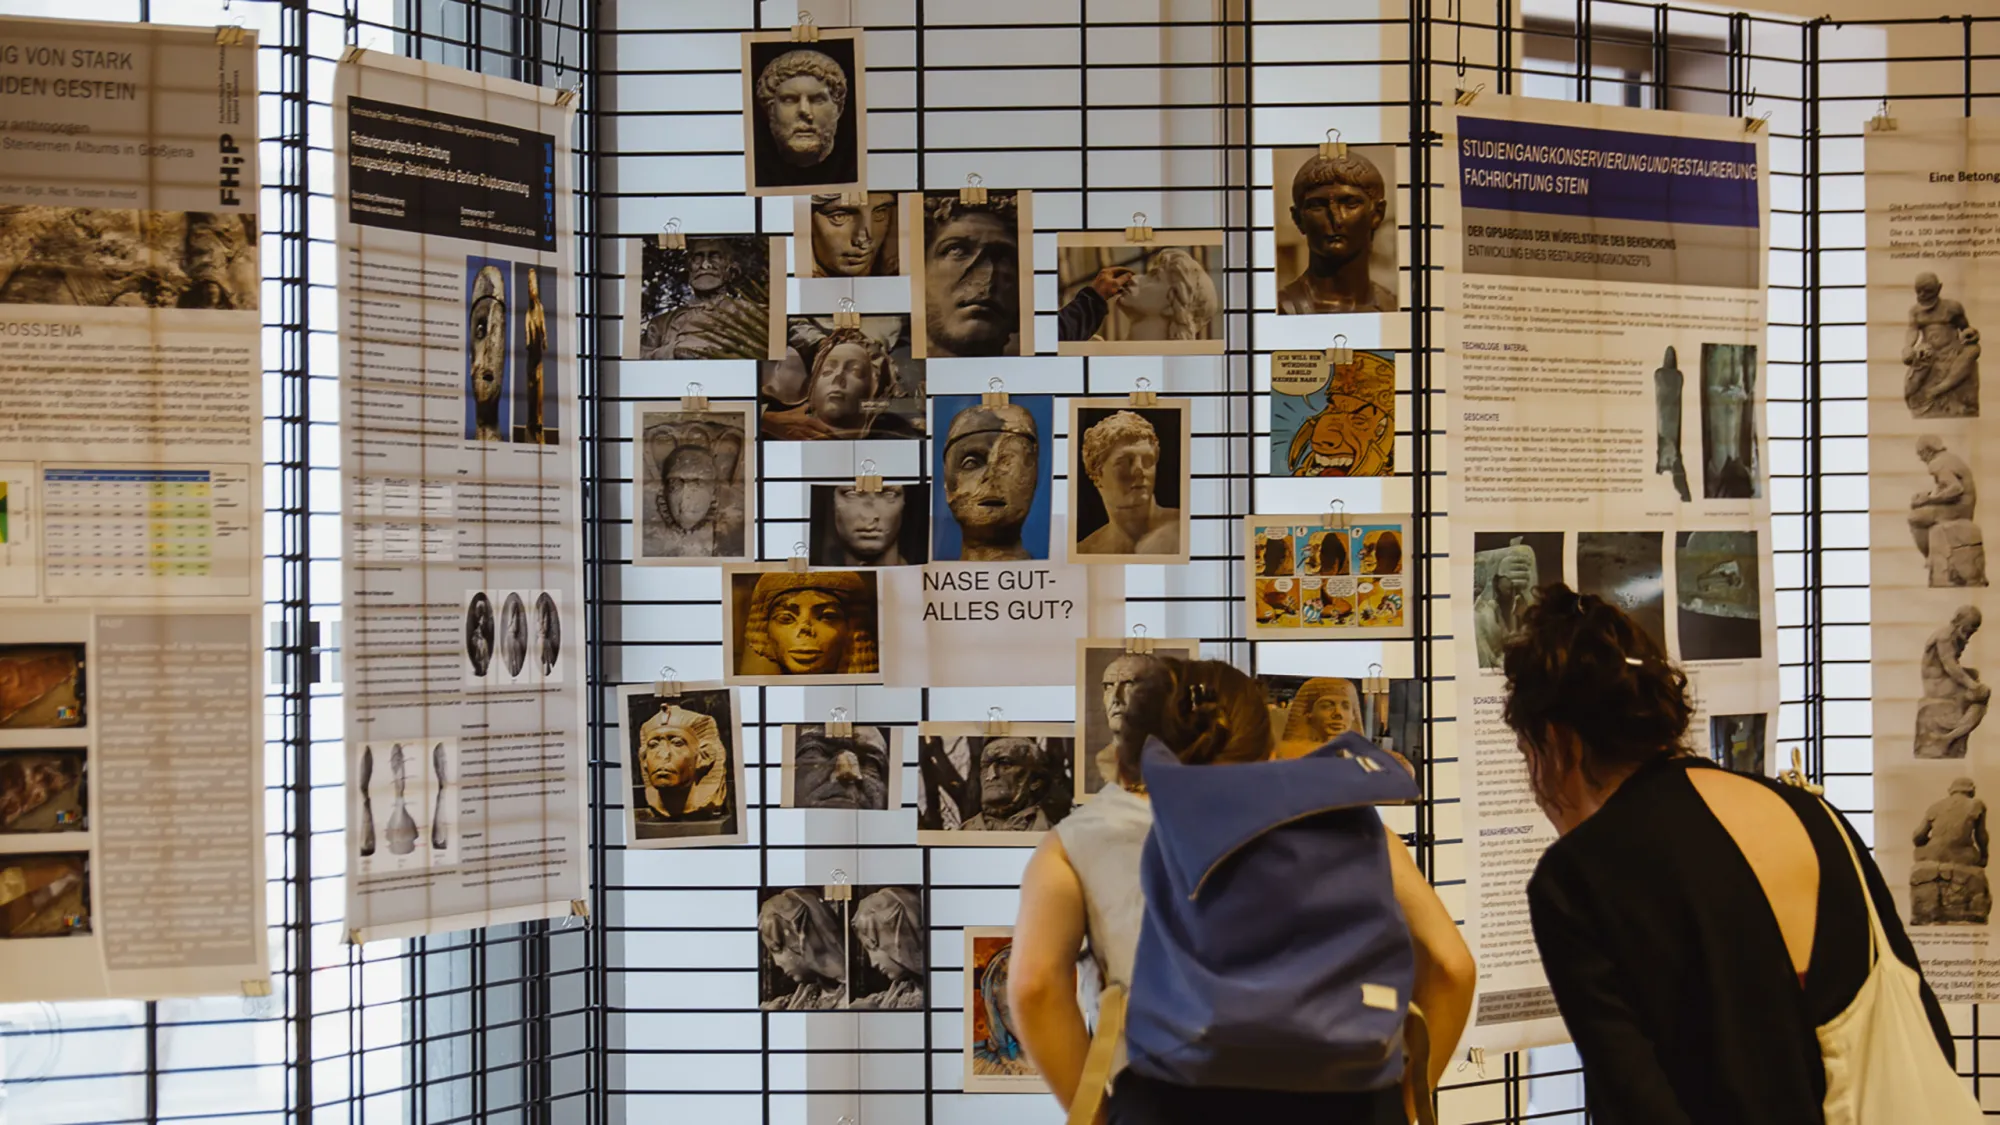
pixel 1417 1064
pixel 1083 1108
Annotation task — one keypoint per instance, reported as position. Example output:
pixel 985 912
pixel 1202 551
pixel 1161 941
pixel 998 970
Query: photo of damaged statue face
pixel 852 235
pixel 1719 597
pixel 691 476
pixel 1737 741
pixel 844 383
pixel 971 291
pixel 110 258
pixel 866 954
pixel 410 788
pixel 1730 469
pixel 996 464
pixel 1315 710
pixel 804 113
pixel 1507 570
pixel 1336 230
pixel 790 627
pixel 1948 869
pixel 45 894
pixel 981 790
pixel 486 350
pixel 1132 298
pixel 42 686
pixel 712 300
pixel 1940 355
pixel 1110 684
pixel 684 755
pixel 890 526
pixel 862 769
pixel 43 791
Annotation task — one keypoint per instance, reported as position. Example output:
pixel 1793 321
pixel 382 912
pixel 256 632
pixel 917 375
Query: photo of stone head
pixel 1335 219
pixel 43 791
pixel 45 895
pixel 853 528
pixel 486 349
pixel 802 950
pixel 887 950
pixel 1737 742
pixel 804 113
pixel 1110 684
pixel 973 283
pixel 43 686
pixel 537 317
pixel 860 770
pixel 1943 518
pixel 684 757
pixel 719 297
pixel 1955 699
pixel 548 635
pixel 514 634
pixel 984 790
pixel 802 627
pixel 104 257
pixel 1128 481
pixel 1119 297
pixel 995 1061
pixel 996 468
pixel 1311 711
pixel 1508 571
pixel 1718 596
pixel 1627 569
pixel 849 384
pixel 692 499
pixel 482 629
pixel 1729 458
pixel 1948 869
pixel 1941 355
pixel 1342 425
pixel 852 234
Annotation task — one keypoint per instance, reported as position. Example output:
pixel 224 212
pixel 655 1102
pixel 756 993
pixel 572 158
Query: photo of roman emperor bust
pixel 804 113
pixel 1335 230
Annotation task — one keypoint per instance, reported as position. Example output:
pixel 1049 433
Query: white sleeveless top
pixel 1103 840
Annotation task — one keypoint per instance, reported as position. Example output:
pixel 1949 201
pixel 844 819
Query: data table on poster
pixel 146 532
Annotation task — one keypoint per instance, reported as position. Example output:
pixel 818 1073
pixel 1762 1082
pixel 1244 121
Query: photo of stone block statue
pixel 1954 702
pixel 1941 351
pixel 1941 518
pixel 1668 385
pixel 1948 875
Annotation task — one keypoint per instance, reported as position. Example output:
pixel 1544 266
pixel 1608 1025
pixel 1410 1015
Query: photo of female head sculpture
pixel 980 790
pixel 714 299
pixel 1941 351
pixel 887 962
pixel 847 384
pixel 693 501
pixel 804 113
pixel 793 626
pixel 1342 427
pixel 1126 482
pixel 994 1058
pixel 485 349
pixel 480 630
pixel 1948 869
pixel 1139 298
pixel 1507 570
pixel 1335 230
pixel 1954 702
pixel 802 947
pixel 1730 466
pixel 975 296
pixel 686 774
pixel 1942 518
pixel 996 467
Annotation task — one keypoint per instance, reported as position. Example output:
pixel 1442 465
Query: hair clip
pixel 1634 661
pixel 1199 694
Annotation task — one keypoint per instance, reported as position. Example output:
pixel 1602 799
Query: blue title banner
pixel 1606 173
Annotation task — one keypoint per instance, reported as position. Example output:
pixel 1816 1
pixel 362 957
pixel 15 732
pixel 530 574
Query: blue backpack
pixel 1274 955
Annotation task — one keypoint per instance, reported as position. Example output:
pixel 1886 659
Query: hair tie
pixel 1199 694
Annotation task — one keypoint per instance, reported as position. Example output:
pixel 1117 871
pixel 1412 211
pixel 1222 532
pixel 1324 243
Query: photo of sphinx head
pixel 681 750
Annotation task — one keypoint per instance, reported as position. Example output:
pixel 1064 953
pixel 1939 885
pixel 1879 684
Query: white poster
pixel 461 552
pixel 131 515
pixel 994 624
pixel 1605 317
pixel 1933 199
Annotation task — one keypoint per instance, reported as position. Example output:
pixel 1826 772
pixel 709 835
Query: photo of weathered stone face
pixel 853 527
pixel 792 626
pixel 887 961
pixel 486 351
pixel 42 686
pixel 481 629
pixel 1310 711
pixel 1955 699
pixel 1341 426
pixel 1941 354
pixel 971 276
pixel 995 463
pixel 1117 692
pixel 1668 387
pixel 693 501
pixel 1737 741
pixel 711 300
pixel 846 384
pixel 1131 298
pixel 978 789
pixel 1626 568
pixel 1719 598
pixel 116 258
pixel 1507 570
pixel 514 634
pixel 45 894
pixel 853 237
pixel 1730 468
pixel 548 634
pixel 804 107
pixel 1335 230
pixel 802 951
pixel 1943 518
pixel 43 791
pixel 682 755
pixel 537 394
pixel 1127 480
pixel 860 770
pixel 1948 870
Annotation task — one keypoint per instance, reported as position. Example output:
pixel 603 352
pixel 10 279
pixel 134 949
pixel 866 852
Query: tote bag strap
pixel 1103 1053
pixel 1876 935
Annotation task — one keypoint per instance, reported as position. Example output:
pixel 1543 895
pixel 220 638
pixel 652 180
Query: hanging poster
pixel 1933 201
pixel 1333 420
pixel 805 112
pixel 1322 577
pixel 132 705
pixel 461 566
pixel 683 751
pixel 1624 454
pixel 1122 295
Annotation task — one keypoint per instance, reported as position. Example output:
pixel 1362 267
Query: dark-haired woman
pixel 1084 881
pixel 1696 925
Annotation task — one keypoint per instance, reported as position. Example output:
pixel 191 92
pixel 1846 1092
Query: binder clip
pixel 563 98
pixel 839 889
pixel 1139 231
pixel 1142 394
pixel 799 562
pixel 973 194
pixel 868 480
pixel 847 317
pixel 1882 122
pixel 837 724
pixel 230 35
pixel 1467 97
pixel 1375 684
pixel 996 392
pixel 668 685
pixel 671 238
pixel 996 722
pixel 260 986
pixel 353 52
pixel 578 908
pixel 1474 1057
pixel 1139 644
pixel 1756 124
pixel 1336 516
pixel 1340 355
pixel 805 30
pixel 1796 776
pixel 695 400
pixel 854 199
pixel 1332 148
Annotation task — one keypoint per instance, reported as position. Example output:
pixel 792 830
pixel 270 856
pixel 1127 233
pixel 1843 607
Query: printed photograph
pixel 722 297
pixel 43 791
pixel 997 468
pixel 1119 297
pixel 513 633
pixel 693 501
pixel 1316 710
pixel 802 627
pixel 408 814
pixel 684 754
pixel 1335 421
pixel 858 771
pixel 972 293
pixel 866 954
pixel 1335 220
pixel 1955 699
pixel 1718 597
pixel 1948 884
pixel 42 686
pixel 850 384
pixel 1730 470
pixel 1943 521
pixel 981 790
pixel 536 393
pixel 1307 579
pixel 45 894
pixel 851 237
pixel 1940 355
pixel 1626 569
pixel 1669 387
pixel 1737 742
pixel 805 113
pixel 1110 682
pixel 512 636
pixel 548 648
pixel 1507 569
pixel 995 1062
pixel 888 962
pixel 1128 477
pixel 486 349
pixel 99 257
pixel 481 632
pixel 852 528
